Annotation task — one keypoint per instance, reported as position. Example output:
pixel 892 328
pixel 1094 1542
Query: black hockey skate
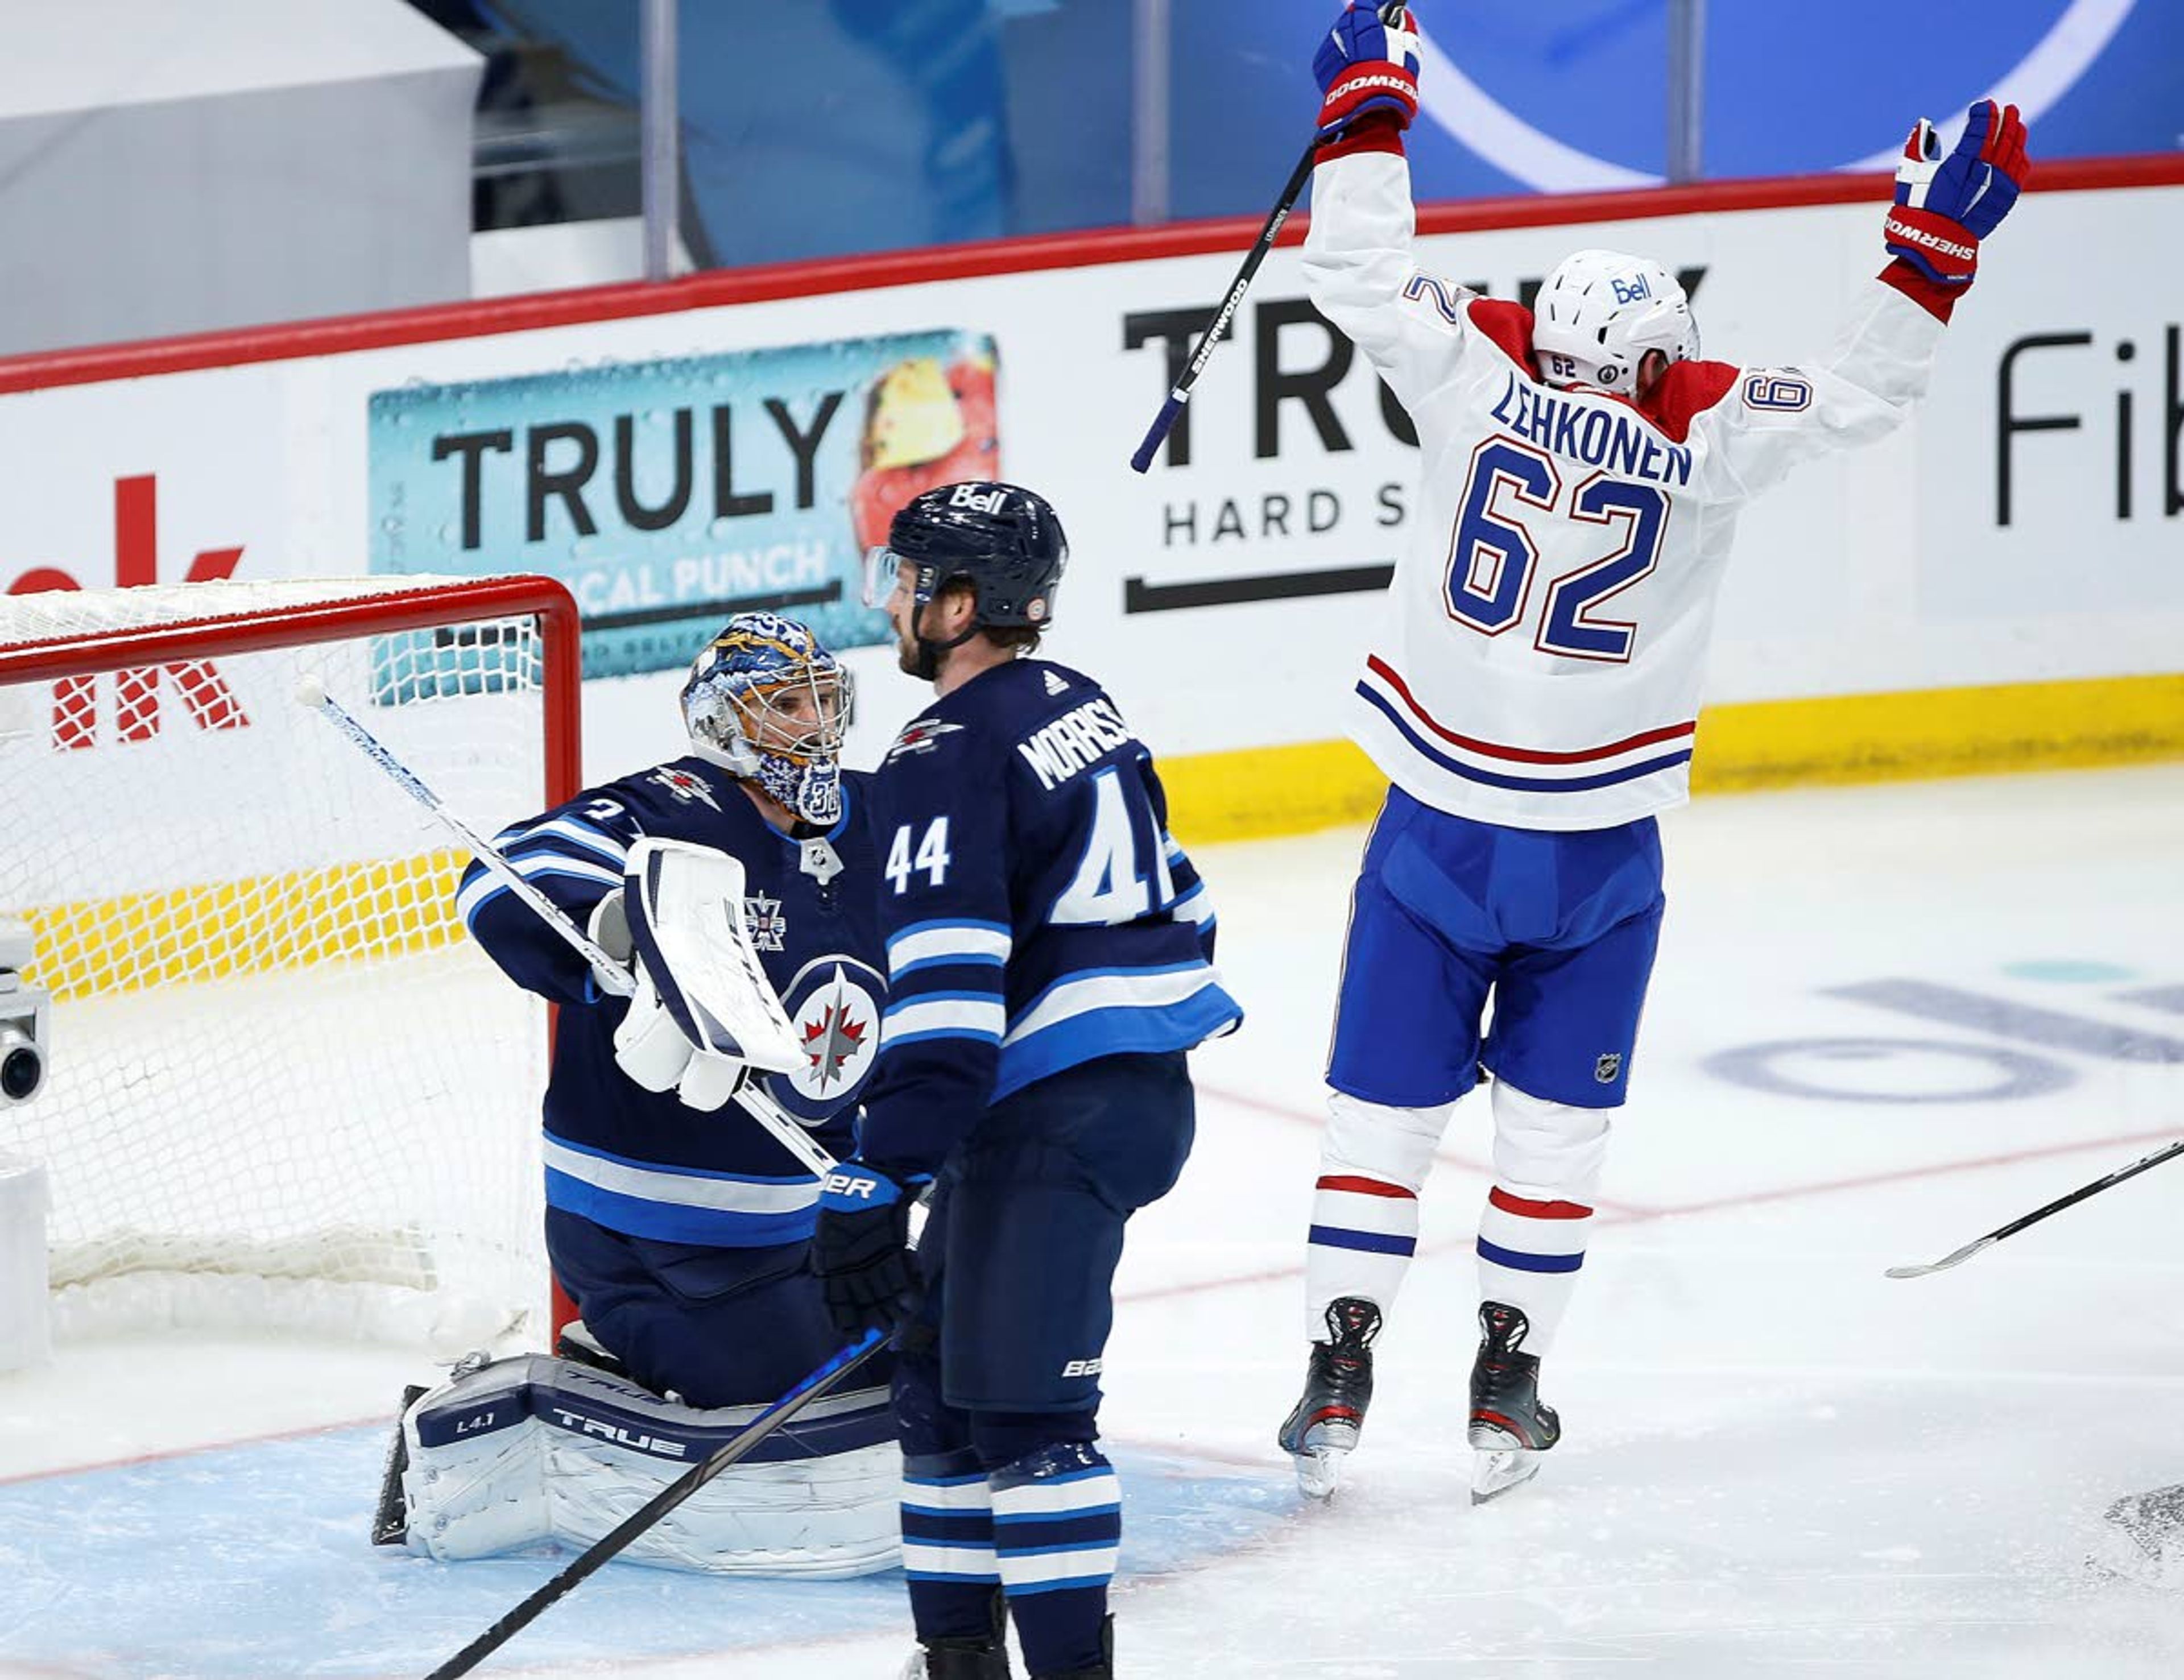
pixel 2142 1539
pixel 1338 1386
pixel 982 1657
pixel 1510 1427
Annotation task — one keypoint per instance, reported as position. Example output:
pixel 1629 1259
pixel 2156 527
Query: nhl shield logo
pixel 1607 1067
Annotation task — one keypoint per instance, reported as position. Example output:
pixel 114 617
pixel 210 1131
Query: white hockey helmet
pixel 1600 312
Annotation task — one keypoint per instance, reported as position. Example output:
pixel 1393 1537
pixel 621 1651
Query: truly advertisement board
pixel 669 494
pixel 675 464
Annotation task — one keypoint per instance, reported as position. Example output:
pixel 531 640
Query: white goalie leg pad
pixel 1374 1160
pixel 535 1449
pixel 1538 1217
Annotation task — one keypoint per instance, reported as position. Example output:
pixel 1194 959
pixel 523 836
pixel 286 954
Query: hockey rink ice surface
pixel 1885 1022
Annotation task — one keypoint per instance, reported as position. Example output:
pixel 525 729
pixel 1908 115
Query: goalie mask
pixel 766 702
pixel 1600 312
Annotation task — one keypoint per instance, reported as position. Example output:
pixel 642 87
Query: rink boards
pixel 677 451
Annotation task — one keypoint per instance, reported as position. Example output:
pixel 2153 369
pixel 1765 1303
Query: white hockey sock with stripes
pixel 1373 1161
pixel 1530 1248
pixel 1538 1216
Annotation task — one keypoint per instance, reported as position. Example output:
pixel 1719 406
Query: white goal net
pixel 283 1087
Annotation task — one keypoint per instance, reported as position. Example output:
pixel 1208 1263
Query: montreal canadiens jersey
pixel 1035 910
pixel 1546 631
pixel 643 1162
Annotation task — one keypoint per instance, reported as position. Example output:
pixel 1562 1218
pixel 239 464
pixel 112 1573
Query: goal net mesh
pixel 283 1084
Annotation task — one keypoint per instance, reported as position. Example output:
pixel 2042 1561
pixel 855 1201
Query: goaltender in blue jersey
pixel 640 1162
pixel 679 1226
pixel 1048 951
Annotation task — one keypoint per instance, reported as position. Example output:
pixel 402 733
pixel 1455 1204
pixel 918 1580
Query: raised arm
pixel 1357 255
pixel 1772 418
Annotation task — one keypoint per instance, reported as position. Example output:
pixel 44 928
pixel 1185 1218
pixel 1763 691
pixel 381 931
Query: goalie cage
pixel 284 1089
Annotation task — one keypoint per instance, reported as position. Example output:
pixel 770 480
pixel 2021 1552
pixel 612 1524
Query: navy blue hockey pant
pixel 996 1405
pixel 718 1326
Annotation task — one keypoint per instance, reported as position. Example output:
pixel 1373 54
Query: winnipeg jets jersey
pixel 641 1161
pixel 1036 912
pixel 1546 631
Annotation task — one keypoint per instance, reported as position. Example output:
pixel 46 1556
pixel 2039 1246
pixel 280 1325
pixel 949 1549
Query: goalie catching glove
pixel 703 1015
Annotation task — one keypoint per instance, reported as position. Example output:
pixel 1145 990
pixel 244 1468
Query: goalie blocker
pixel 510 1454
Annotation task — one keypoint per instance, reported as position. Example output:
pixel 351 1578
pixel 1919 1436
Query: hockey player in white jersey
pixel 1533 701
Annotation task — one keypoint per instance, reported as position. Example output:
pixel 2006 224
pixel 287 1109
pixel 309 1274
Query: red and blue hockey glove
pixel 862 1248
pixel 1945 206
pixel 1364 65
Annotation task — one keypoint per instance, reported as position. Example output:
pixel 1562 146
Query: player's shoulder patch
pixel 1780 391
pixel 921 736
pixel 684 787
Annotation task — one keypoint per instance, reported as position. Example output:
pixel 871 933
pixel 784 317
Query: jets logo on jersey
pixel 921 737
pixel 685 787
pixel 834 1039
pixel 833 1006
pixel 767 925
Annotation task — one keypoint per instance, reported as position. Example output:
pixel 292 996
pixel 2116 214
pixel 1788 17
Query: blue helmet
pixel 767 701
pixel 1002 539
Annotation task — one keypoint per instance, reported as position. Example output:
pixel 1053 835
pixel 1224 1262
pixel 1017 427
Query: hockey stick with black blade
pixel 613 975
pixel 819 1382
pixel 1391 14
pixel 1962 1255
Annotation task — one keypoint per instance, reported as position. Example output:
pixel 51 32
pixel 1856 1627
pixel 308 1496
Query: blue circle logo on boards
pixel 1565 96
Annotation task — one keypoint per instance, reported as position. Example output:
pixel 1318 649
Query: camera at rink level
pixel 26 1019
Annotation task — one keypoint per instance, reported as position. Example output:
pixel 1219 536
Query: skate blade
pixel 1319 1472
pixel 1497 1472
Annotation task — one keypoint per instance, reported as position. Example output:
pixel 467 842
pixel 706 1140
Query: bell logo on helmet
pixel 970 496
pixel 1631 291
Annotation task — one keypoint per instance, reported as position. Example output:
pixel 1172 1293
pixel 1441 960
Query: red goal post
pixel 283 1086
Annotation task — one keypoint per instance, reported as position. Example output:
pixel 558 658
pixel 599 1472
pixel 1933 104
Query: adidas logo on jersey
pixel 1055 684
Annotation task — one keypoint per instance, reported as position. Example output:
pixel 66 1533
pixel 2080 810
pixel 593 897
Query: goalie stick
pixel 1960 1255
pixel 613 975
pixel 827 1376
pixel 1391 14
